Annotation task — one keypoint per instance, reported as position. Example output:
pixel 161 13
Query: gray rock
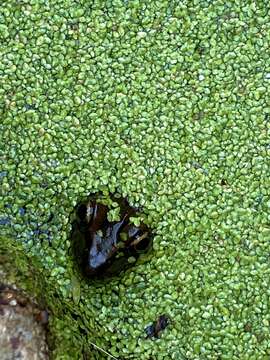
pixel 22 327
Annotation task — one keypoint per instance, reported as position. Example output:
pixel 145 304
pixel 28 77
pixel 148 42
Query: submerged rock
pixel 105 239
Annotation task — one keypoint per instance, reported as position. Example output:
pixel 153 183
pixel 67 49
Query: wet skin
pixel 105 247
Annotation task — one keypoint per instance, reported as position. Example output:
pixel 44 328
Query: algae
pixel 24 273
pixel 166 103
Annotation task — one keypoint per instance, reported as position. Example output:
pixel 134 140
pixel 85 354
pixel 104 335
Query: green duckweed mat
pixel 166 103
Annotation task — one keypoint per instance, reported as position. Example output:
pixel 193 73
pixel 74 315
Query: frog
pixel 104 247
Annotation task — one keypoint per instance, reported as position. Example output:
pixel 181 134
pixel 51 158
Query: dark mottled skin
pixel 101 248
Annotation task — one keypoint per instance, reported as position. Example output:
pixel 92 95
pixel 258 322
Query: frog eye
pixel 141 242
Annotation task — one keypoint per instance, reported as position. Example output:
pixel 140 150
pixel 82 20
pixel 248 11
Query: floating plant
pixel 107 235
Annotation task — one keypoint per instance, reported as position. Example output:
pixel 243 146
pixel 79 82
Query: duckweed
pixel 165 102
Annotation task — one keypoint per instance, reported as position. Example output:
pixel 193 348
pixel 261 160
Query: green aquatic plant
pixel 165 103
